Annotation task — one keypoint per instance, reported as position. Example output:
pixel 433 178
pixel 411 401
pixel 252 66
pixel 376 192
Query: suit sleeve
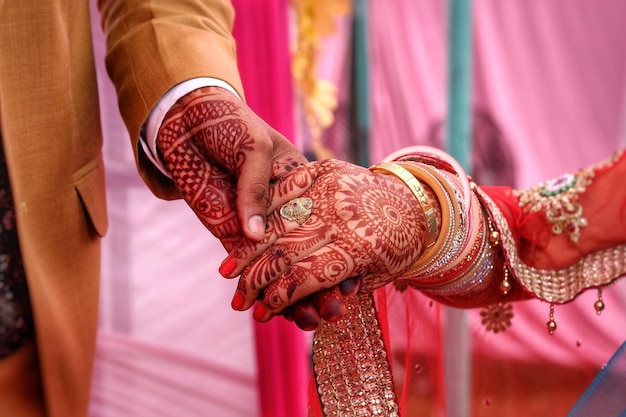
pixel 155 45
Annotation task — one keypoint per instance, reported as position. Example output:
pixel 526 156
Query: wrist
pixel 419 192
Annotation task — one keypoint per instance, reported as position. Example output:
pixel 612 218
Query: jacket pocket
pixel 90 186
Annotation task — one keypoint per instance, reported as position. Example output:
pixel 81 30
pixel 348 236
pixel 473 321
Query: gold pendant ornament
pixel 599 304
pixel 551 324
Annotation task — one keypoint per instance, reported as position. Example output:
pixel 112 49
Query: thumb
pixel 286 156
pixel 263 165
pixel 253 193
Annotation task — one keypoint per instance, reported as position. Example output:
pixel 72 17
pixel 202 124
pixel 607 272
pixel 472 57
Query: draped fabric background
pixel 550 76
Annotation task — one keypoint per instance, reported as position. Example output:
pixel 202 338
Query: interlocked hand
pixel 362 224
pixel 223 158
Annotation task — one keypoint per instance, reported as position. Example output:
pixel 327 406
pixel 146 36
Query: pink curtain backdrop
pixel 169 344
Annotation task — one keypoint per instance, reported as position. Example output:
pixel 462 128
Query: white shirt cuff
pixel 148 141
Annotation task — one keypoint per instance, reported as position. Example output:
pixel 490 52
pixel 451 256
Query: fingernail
pixel 286 313
pixel 259 312
pixel 307 321
pixel 333 310
pixel 228 266
pixel 349 286
pixel 256 225
pixel 238 301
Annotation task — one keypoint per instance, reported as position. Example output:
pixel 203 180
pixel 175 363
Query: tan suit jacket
pixel 51 134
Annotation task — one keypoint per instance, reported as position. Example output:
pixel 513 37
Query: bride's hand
pixel 362 224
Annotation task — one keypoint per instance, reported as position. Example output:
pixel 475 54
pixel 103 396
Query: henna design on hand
pixel 206 141
pixel 282 190
pixel 363 224
pixel 216 124
pixel 207 188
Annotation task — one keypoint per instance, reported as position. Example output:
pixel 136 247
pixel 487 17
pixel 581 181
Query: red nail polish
pixel 238 301
pixel 259 312
pixel 228 266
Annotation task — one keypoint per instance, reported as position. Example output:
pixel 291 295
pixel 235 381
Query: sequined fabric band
pixel 558 286
pixel 351 366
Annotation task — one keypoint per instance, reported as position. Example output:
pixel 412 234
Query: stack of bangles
pixel 460 254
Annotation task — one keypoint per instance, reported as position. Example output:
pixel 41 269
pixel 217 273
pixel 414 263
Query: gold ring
pixel 298 209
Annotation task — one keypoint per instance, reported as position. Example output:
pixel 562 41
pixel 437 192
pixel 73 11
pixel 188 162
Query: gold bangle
pixel 418 191
pixel 450 218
